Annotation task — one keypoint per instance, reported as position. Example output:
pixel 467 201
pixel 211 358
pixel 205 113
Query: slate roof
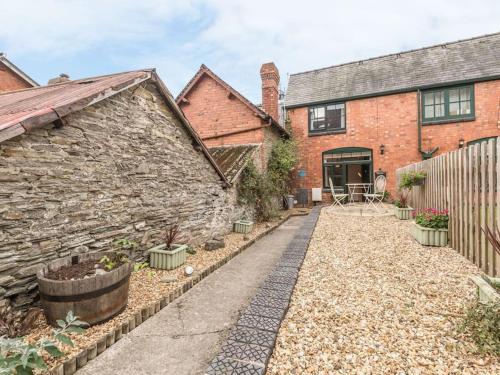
pixel 464 60
pixel 23 110
pixel 232 159
pixel 30 81
pixel 204 70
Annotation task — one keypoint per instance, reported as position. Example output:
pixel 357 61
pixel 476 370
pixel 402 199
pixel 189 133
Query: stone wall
pixel 123 168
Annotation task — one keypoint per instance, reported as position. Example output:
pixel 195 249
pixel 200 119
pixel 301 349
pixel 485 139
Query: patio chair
pixel 378 192
pixel 338 195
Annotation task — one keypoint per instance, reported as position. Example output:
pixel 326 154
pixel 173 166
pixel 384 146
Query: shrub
pixel 410 179
pixel 432 218
pixel 482 323
pixel 262 189
pixel 17 356
pixel 171 234
pixel 402 201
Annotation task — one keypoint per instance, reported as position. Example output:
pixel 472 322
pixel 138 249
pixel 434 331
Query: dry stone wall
pixel 123 168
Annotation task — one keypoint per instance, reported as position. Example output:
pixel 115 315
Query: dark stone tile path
pixel 250 342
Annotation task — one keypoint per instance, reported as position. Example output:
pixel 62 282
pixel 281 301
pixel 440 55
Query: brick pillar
pixel 270 89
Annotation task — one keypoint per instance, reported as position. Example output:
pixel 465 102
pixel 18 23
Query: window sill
pixel 331 132
pixel 448 121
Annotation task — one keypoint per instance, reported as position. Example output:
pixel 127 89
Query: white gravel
pixel 370 300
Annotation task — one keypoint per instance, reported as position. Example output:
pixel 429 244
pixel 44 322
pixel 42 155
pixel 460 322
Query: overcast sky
pixel 232 37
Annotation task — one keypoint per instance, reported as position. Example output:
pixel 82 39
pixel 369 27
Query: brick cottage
pixel 376 115
pixel 87 162
pixel 12 78
pixel 228 123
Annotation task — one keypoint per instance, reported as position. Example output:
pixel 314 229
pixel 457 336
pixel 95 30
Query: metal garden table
pixel 358 189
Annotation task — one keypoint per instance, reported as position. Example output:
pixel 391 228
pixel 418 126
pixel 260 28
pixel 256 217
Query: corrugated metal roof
pixel 465 60
pixel 232 159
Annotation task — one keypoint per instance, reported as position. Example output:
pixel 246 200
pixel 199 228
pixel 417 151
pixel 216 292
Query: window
pixel 447 104
pixel 327 118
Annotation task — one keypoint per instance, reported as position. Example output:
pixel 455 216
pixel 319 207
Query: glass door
pixel 338 173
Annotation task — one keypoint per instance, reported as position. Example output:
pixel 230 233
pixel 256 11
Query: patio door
pixel 347 165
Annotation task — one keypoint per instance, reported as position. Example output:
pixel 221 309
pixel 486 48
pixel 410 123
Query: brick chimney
pixel 270 89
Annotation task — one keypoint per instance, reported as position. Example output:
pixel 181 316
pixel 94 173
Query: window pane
pixel 429 98
pixel 439 110
pixel 429 111
pixel 465 93
pixel 454 95
pixel 439 97
pixel 465 108
pixel 334 119
pixel 454 109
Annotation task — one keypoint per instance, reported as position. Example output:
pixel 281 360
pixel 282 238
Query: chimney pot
pixel 270 77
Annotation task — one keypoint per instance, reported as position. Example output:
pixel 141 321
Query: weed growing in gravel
pixel 482 323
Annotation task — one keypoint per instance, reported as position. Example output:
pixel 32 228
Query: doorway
pixel 347 165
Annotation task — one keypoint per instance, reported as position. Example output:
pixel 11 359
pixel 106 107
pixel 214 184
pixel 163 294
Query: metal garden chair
pixel 338 195
pixel 378 192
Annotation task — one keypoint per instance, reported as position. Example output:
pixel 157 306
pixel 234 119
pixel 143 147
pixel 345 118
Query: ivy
pixel 261 189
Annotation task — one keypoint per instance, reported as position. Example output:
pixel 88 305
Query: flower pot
pixel 93 299
pixel 485 291
pixel 243 226
pixel 164 259
pixel 429 236
pixel 403 213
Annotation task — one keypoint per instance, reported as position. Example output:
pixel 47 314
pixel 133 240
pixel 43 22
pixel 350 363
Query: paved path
pixel 185 336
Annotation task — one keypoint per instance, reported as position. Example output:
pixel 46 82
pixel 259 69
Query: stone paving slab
pixel 250 344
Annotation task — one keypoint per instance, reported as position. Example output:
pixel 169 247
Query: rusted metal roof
pixel 232 159
pixel 23 110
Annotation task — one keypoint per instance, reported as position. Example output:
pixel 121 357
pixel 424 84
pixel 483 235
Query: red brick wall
pixel 10 81
pixel 211 112
pixel 391 120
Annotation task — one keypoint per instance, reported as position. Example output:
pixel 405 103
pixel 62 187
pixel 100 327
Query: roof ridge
pixel 398 53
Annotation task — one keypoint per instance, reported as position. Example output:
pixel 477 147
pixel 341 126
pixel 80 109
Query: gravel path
pixel 370 300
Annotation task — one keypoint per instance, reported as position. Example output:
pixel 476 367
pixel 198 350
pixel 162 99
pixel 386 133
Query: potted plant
pixel 410 179
pixel 488 288
pixel 92 285
pixel 168 255
pixel 243 226
pixel 431 227
pixel 401 209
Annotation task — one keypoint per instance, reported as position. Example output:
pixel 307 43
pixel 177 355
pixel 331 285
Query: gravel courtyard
pixel 370 300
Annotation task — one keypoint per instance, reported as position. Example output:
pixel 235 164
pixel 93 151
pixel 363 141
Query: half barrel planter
pixel 403 213
pixel 94 299
pixel 429 236
pixel 243 226
pixel 486 291
pixel 164 259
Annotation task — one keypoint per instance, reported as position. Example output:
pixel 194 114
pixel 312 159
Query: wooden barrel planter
pixel 94 299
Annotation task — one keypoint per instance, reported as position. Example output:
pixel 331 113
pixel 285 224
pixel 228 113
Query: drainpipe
pixel 425 154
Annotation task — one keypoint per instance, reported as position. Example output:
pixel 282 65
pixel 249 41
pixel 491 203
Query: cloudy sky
pixel 232 37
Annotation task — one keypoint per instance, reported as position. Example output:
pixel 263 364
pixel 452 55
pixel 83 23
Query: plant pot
pixel 94 299
pixel 420 182
pixel 403 213
pixel 485 291
pixel 429 236
pixel 164 259
pixel 243 226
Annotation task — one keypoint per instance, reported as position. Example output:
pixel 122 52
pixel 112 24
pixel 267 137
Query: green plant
pixel 140 266
pixel 410 179
pixel 17 356
pixel 482 323
pixel 113 261
pixel 190 250
pixel 126 244
pixel 432 218
pixel 262 189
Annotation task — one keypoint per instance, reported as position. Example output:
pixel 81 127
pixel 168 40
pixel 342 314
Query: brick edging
pixel 72 364
pixel 251 341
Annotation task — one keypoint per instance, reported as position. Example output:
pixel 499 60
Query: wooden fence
pixel 466 182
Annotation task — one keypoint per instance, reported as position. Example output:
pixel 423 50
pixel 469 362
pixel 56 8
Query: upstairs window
pixel 448 104
pixel 327 118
